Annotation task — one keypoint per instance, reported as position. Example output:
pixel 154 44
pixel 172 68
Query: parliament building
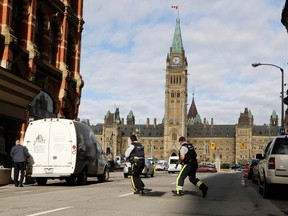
pixel 214 143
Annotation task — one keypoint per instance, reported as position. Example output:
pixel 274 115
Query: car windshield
pixel 280 146
pixel 173 161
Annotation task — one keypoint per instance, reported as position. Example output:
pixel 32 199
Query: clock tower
pixel 175 117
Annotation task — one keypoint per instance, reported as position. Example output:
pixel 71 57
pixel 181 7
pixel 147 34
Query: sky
pixel 125 45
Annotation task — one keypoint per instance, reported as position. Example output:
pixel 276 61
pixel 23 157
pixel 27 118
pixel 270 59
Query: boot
pixel 177 193
pixel 204 189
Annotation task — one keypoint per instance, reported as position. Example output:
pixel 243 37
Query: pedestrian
pixel 19 155
pixel 188 158
pixel 135 154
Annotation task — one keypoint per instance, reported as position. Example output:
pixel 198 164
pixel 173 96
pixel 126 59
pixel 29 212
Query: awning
pixel 15 95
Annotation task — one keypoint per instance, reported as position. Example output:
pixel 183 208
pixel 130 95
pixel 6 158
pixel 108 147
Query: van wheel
pixel 105 176
pixel 41 181
pixel 82 178
pixel 70 180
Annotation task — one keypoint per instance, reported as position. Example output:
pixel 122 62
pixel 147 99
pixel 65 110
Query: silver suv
pixel 273 166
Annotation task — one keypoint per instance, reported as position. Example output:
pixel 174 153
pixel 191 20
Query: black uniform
pixel 189 168
pixel 137 159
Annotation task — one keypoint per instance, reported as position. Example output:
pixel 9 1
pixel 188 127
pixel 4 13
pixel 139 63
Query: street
pixel 226 196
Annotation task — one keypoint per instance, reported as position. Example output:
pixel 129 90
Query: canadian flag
pixel 173 6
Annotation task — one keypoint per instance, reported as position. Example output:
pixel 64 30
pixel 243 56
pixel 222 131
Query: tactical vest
pixel 138 151
pixel 191 155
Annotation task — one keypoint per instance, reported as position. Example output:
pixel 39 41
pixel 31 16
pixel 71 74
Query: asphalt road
pixel 226 196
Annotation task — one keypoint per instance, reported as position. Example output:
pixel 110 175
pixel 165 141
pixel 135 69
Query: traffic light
pixel 212 145
pixel 242 145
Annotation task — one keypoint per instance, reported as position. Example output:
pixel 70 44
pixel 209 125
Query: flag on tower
pixel 174 6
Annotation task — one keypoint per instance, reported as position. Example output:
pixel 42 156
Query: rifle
pixel 178 162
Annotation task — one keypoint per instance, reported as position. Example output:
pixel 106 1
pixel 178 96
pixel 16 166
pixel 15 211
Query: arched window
pixel 174 136
pixel 42 106
pixel 172 94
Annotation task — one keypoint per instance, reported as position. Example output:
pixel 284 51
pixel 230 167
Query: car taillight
pixel 271 163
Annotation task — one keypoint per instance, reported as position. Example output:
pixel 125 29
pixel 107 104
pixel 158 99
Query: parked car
pixel 206 168
pixel 162 165
pixel 253 163
pixel 147 171
pixel 273 166
pixel 172 168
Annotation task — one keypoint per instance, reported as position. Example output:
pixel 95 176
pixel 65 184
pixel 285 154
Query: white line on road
pixel 123 195
pixel 52 210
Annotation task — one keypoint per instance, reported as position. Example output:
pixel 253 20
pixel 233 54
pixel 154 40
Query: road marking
pixel 52 210
pixel 123 195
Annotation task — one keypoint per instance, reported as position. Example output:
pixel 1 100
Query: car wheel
pixel 104 177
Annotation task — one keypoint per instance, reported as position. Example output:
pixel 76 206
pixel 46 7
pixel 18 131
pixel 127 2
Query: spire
pixel 177 45
pixel 193 110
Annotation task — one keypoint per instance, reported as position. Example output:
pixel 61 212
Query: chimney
pixel 147 123
pixel 155 122
pixel 212 123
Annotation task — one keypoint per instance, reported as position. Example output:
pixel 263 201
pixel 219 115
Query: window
pixel 70 53
pixel 17 19
pixel 39 25
pixel 53 44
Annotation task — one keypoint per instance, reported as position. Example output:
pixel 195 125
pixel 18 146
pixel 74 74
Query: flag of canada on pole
pixel 174 6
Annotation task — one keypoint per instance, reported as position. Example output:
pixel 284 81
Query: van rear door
pixel 60 143
pixel 52 142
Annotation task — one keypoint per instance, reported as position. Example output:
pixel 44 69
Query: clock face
pixel 176 60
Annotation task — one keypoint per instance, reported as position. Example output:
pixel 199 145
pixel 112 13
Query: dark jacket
pixel 19 153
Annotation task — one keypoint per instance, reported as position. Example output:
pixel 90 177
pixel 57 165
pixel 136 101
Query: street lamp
pixel 282 88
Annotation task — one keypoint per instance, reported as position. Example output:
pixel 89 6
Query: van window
pixel 99 148
pixel 280 146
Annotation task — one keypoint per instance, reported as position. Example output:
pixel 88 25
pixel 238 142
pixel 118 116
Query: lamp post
pixel 282 88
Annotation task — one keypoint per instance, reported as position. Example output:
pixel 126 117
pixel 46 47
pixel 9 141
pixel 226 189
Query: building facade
pixel 237 143
pixel 39 65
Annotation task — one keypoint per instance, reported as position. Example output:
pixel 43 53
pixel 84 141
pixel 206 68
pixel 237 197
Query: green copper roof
pixel 250 114
pixel 130 115
pixel 274 115
pixel 177 45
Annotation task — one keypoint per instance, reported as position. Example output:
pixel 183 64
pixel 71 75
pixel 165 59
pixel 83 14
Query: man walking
pixel 19 154
pixel 135 154
pixel 188 157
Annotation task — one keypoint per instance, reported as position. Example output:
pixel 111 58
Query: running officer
pixel 188 158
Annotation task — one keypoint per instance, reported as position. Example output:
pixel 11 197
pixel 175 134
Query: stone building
pixel 40 45
pixel 237 143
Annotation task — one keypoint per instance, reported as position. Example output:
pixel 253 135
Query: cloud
pixel 125 45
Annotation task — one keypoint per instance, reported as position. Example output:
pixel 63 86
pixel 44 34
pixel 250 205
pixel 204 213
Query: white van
pixel 173 160
pixel 65 149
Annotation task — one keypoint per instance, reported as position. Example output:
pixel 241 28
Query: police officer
pixel 188 158
pixel 135 153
